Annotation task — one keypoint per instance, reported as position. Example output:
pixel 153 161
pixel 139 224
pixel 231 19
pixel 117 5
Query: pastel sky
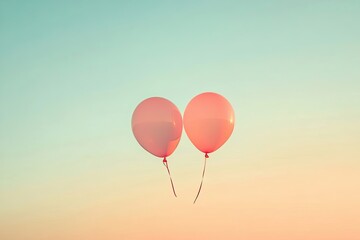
pixel 72 72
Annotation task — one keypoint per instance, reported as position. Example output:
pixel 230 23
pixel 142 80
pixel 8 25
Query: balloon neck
pixel 206 155
pixel 164 160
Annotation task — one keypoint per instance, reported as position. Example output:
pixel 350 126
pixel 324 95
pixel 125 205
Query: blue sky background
pixel 72 72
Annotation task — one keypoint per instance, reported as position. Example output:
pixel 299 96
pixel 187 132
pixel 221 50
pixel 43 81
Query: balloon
pixel 157 126
pixel 209 121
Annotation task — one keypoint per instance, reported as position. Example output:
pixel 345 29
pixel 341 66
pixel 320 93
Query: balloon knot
pixel 206 155
pixel 164 160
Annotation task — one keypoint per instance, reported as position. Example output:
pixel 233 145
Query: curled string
pixel 202 179
pixel 167 167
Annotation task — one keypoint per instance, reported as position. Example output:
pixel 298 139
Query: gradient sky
pixel 72 72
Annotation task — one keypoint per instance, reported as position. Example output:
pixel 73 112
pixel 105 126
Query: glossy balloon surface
pixel 209 121
pixel 157 126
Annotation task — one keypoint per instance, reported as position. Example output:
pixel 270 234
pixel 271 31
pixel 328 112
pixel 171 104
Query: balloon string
pixel 202 179
pixel 167 167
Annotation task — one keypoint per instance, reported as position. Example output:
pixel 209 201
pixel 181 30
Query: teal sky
pixel 72 72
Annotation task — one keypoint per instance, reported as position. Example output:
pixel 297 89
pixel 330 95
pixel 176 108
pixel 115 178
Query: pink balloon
pixel 157 126
pixel 209 121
